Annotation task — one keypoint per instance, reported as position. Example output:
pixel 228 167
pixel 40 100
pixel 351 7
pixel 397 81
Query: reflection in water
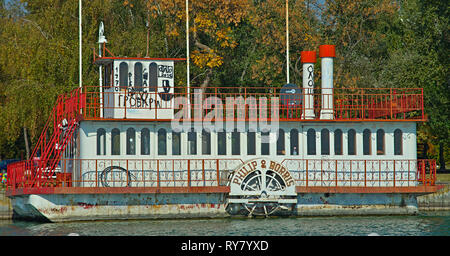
pixel 431 223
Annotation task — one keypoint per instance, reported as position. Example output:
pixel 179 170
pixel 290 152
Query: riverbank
pixel 439 201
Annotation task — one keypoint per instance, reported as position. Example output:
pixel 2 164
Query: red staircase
pixel 39 170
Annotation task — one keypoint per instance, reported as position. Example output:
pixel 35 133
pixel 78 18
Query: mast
pixel 187 60
pixel 80 53
pixel 287 41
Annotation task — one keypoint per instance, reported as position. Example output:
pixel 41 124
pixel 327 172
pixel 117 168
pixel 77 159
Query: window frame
pixel 115 142
pixel 311 148
pixel 351 142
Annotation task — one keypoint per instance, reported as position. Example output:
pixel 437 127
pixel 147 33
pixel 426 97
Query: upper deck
pixel 144 89
pixel 248 104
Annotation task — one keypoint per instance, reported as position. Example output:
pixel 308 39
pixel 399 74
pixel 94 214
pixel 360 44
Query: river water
pixel 435 223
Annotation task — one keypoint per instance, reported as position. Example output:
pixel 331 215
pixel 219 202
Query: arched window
pixel 398 142
pixel 338 142
pixel 235 142
pixel 222 143
pixel 131 141
pixel 123 74
pixel 294 142
pixel 280 143
pixel 351 141
pixel 367 134
pixel 153 76
pixel 380 142
pixel 206 142
pixel 107 78
pixel 145 142
pixel 265 147
pixel 162 142
pixel 176 143
pixel 192 142
pixel 115 141
pixel 251 143
pixel 138 76
pixel 101 141
pixel 325 142
pixel 311 142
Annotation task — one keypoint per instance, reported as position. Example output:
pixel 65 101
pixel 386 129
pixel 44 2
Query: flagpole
pixel 287 41
pixel 187 60
pixel 79 35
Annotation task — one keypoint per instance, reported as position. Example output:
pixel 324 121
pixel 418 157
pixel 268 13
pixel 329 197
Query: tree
pixel 418 41
pixel 268 19
pixel 357 28
pixel 212 25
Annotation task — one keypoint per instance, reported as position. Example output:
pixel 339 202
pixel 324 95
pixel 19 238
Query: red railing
pixel 216 172
pixel 59 128
pixel 345 104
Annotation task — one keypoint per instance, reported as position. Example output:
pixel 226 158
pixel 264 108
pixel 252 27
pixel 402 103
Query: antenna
pixel 147 25
pixel 101 37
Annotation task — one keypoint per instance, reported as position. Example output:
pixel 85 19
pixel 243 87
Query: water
pixel 425 224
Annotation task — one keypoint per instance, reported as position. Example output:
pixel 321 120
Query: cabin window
pixel 351 141
pixel 311 142
pixel 192 142
pixel 101 141
pixel 153 77
pixel 398 142
pixel 162 142
pixel 222 143
pixel 235 142
pixel 366 142
pixel 123 74
pixel 138 76
pixel 107 78
pixel 131 141
pixel 294 142
pixel 251 143
pixel 115 141
pixel 265 146
pixel 280 143
pixel 176 143
pixel 145 142
pixel 338 142
pixel 325 142
pixel 380 142
pixel 206 143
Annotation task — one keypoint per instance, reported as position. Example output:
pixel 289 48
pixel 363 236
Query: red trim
pixel 370 190
pixel 220 189
pixel 308 57
pixel 235 119
pixel 327 50
pixel 124 190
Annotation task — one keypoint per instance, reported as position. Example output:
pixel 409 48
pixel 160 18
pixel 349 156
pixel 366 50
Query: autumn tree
pixel 212 26
pixel 268 19
pixel 39 58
